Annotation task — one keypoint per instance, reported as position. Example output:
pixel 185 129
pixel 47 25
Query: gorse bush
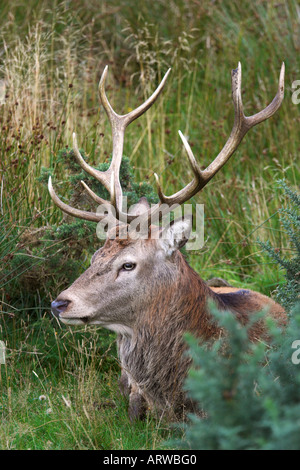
pixel 250 393
pixel 288 293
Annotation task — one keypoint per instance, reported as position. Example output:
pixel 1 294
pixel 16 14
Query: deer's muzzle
pixel 59 306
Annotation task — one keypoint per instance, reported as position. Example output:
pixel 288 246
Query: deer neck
pixel 179 300
pixel 154 354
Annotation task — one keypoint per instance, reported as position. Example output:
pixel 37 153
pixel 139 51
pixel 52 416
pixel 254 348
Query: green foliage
pixel 250 392
pixel 289 292
pixel 134 191
pixel 59 390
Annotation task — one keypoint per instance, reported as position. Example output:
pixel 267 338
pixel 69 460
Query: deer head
pixel 126 274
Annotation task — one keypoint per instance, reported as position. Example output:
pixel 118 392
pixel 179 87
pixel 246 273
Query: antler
pixel 241 126
pixel 110 178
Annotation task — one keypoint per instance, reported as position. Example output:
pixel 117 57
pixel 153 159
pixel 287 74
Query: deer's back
pixel 244 302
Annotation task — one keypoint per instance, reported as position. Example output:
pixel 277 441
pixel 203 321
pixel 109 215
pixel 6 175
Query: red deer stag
pixel 142 288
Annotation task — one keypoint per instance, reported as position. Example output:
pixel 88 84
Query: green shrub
pixel 288 293
pixel 251 394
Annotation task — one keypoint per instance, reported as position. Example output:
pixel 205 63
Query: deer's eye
pixel 128 266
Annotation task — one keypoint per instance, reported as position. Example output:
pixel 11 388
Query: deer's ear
pixel 175 236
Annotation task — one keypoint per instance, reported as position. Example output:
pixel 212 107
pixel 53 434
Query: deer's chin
pixel 116 327
pixel 73 321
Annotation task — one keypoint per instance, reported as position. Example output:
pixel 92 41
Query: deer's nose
pixel 59 306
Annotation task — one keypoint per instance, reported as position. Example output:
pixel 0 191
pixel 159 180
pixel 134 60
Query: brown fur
pixel 151 309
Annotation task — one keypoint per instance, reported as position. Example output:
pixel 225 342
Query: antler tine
pixel 192 188
pixel 126 119
pixel 119 124
pixel 273 106
pixel 242 124
pixel 80 214
pixel 93 195
pixel 100 176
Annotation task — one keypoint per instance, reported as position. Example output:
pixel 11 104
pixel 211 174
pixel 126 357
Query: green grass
pixel 51 61
pixel 59 390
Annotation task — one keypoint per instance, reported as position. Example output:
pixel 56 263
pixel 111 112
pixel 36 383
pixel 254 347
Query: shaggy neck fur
pixel 178 307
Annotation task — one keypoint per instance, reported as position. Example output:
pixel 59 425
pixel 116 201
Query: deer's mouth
pixel 59 309
pixel 116 327
pixel 73 320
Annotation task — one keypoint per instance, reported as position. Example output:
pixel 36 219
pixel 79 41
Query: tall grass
pixel 52 56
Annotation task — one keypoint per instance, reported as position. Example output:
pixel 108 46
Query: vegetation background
pixel 58 387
